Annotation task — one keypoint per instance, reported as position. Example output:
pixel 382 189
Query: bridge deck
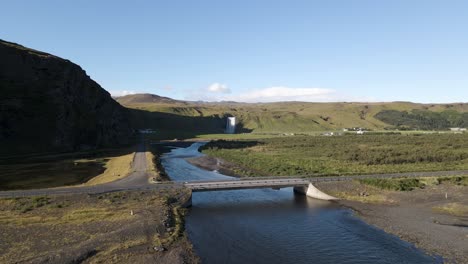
pixel 283 182
pixel 245 184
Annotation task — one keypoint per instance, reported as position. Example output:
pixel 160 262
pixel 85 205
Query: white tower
pixel 231 125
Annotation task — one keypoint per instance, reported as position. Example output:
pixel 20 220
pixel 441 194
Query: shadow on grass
pixel 173 126
pixel 226 144
pixel 31 171
pixel 55 170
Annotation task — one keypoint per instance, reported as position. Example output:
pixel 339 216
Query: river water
pixel 278 226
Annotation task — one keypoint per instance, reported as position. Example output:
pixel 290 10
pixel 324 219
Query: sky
pixel 256 51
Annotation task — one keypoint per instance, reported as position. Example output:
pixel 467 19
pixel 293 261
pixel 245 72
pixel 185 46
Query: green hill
pixel 294 117
pixel 424 119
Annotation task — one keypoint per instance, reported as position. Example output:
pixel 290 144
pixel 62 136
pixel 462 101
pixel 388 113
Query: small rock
pixel 159 249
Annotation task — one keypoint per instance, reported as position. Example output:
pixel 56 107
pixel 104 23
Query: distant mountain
pixel 49 104
pixel 145 98
pixel 299 116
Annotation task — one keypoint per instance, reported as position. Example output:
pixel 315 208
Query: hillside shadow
pixel 228 144
pixel 180 126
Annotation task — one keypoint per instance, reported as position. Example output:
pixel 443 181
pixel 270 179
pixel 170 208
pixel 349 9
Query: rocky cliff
pixel 50 104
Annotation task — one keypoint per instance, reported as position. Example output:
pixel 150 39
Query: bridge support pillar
pixel 313 192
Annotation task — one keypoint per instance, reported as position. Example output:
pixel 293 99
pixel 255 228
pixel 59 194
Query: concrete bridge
pixel 302 185
pixel 201 186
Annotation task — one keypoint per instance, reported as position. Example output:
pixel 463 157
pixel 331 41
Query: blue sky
pixel 256 50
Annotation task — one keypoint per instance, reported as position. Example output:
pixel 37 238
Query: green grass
pixel 456 209
pixel 239 136
pixel 458 180
pixel 423 119
pixel 349 154
pixel 28 204
pixel 282 117
pixel 394 184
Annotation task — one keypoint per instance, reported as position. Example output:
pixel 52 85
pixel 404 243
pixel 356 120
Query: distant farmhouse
pixel 358 130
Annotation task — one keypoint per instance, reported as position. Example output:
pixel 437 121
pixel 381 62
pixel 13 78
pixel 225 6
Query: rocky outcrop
pixel 50 104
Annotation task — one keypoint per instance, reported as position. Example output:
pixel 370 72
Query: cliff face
pixel 50 104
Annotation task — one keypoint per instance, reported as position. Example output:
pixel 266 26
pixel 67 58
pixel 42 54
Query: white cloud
pixel 219 88
pixel 276 94
pixel 117 93
pixel 281 93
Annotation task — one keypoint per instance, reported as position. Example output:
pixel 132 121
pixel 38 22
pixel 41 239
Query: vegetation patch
pixel 409 184
pixel 374 198
pixel 456 209
pixel 457 180
pixel 176 230
pixel 394 184
pixel 116 167
pixel 29 203
pixel 423 119
pixel 119 226
pixel 344 155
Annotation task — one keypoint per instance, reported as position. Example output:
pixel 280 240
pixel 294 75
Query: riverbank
pixel 119 227
pixel 424 217
pixel 216 164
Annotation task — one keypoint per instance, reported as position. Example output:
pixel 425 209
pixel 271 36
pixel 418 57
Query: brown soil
pixel 96 228
pixel 414 216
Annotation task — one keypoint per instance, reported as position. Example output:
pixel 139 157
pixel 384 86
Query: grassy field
pixel 341 155
pixel 453 209
pixel 116 168
pixel 408 184
pixel 123 227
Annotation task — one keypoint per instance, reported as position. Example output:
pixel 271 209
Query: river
pixel 278 226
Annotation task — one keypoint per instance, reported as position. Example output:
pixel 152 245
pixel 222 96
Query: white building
pixel 231 125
